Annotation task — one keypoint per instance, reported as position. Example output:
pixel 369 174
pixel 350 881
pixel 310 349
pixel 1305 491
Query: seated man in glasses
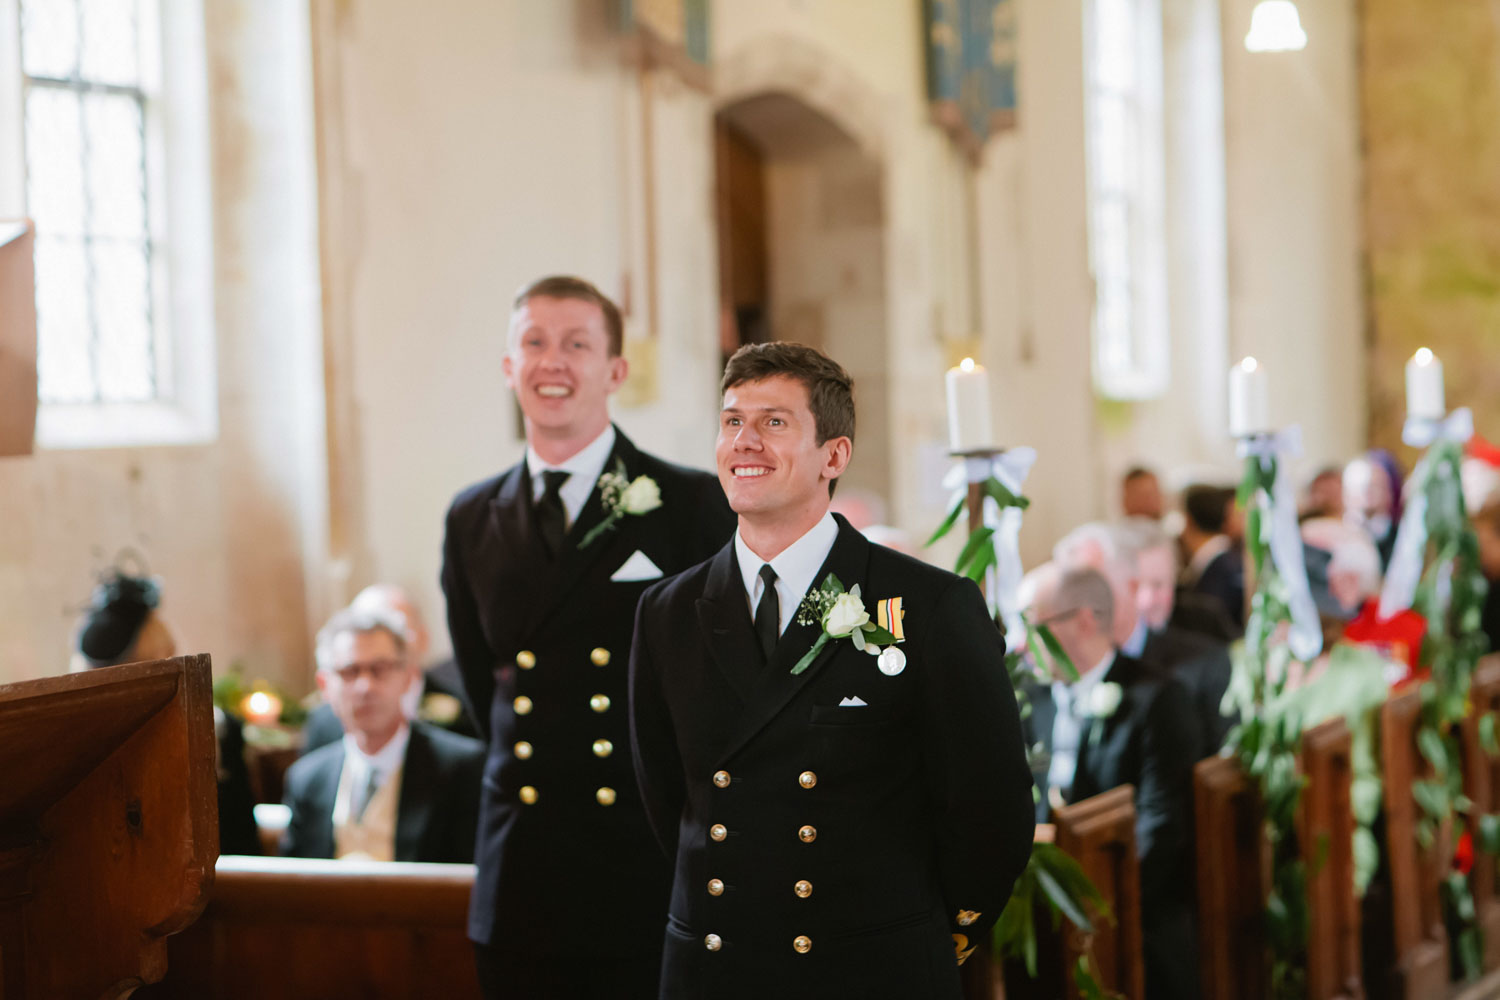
pixel 389 790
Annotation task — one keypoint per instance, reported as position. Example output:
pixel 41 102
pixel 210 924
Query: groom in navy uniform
pixel 542 568
pixel 842 822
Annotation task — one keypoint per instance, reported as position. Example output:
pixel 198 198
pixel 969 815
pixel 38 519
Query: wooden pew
pixel 1099 833
pixel 299 928
pixel 1234 873
pixel 1325 830
pixel 1420 962
pixel 108 828
pixel 1482 786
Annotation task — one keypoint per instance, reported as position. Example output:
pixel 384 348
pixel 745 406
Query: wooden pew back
pixel 1325 831
pixel 1099 833
pixel 1234 865
pixel 1482 786
pixel 300 928
pixel 1420 967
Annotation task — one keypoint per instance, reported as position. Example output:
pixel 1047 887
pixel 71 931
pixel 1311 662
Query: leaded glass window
pixel 86 74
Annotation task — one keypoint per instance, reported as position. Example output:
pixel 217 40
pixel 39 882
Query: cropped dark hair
pixel 564 286
pixel 1207 507
pixel 830 390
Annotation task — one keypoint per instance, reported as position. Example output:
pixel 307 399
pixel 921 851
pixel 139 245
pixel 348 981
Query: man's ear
pixel 839 451
pixel 619 371
pixel 509 370
pixel 322 679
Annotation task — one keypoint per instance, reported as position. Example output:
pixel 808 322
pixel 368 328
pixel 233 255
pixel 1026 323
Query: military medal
pixel 892 661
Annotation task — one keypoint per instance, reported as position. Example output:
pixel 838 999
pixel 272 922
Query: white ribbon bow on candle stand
pixel 1011 468
pixel 1405 570
pixel 1306 635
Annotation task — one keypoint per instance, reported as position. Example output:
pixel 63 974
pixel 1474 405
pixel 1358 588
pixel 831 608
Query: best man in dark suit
pixel 1122 723
pixel 571 891
pixel 853 829
pixel 388 790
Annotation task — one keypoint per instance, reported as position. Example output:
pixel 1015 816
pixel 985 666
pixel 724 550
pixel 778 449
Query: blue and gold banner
pixel 971 67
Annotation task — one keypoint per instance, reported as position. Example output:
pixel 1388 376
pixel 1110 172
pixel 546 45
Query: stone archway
pixel 803 237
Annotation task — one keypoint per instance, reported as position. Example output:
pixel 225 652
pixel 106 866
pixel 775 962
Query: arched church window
pixel 1126 198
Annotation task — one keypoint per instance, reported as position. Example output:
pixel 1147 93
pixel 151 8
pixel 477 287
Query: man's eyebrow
pixel 763 409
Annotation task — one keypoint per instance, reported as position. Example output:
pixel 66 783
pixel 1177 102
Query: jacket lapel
pixel 325 792
pixel 511 519
pixel 776 685
pixel 724 618
pixel 414 806
pixel 1092 749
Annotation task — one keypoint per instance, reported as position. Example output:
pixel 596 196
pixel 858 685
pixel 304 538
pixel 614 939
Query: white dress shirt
pixel 1069 722
pixel 584 470
pixel 795 567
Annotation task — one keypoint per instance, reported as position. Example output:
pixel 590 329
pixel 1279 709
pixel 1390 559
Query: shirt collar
pixel 1086 682
pixel 384 761
pixel 583 467
pixel 795 565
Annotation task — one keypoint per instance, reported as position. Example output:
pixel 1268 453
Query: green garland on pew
pixel 1450 597
pixel 1268 738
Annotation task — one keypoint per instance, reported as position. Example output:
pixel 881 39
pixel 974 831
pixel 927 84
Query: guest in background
pixel 1372 499
pixel 441 679
pixel 1215 567
pixel 390 789
pixel 1140 494
pixel 1122 722
pixel 1325 494
pixel 1487 527
pixel 1200 662
pixel 123 625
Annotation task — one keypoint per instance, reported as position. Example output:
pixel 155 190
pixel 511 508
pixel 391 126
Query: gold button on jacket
pixel 605 796
pixel 718 831
pixel 599 703
pixel 713 942
pixel 721 779
pixel 603 748
pixel 525 659
pixel 807 779
pixel 802 944
pixel 528 794
pixel 807 834
pixel 715 887
pixel 600 656
pixel 523 750
pixel 803 888
pixel 522 705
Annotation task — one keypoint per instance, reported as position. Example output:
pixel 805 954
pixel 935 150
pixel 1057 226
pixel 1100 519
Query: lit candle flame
pixel 1423 357
pixel 258 703
pixel 967 364
pixel 1249 364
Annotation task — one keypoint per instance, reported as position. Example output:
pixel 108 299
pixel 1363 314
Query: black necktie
pixel 551 518
pixel 768 613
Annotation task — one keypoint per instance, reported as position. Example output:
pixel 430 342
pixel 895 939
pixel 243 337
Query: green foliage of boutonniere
pixel 842 615
pixel 622 495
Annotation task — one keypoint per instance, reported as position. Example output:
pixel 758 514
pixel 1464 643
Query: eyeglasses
pixel 379 670
pixel 1059 617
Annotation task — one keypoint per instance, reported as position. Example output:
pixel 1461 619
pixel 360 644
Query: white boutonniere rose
pixel 1104 699
pixel 622 495
pixel 842 615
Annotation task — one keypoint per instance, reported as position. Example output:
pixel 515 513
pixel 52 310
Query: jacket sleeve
pixel 295 839
pixel 979 780
pixel 653 741
pixel 465 798
pixel 471 651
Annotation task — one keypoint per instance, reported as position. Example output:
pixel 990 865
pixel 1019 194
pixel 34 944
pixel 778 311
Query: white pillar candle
pixel 1249 400
pixel 1424 387
pixel 968 407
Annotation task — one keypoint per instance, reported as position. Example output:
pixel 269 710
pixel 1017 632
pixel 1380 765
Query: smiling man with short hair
pixel 542 568
pixel 847 808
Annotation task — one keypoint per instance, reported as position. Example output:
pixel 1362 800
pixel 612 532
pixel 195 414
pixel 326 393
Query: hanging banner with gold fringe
pixel 971 67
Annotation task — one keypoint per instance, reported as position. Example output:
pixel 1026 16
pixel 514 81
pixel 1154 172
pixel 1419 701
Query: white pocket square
pixel 854 702
pixel 637 567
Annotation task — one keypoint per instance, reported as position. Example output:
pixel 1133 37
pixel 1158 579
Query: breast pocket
pixel 850 715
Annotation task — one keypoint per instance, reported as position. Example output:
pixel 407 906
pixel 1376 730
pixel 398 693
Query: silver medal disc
pixel 892 661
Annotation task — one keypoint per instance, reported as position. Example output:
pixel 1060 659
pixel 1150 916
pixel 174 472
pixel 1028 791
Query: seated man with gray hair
pixel 1122 722
pixel 390 789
